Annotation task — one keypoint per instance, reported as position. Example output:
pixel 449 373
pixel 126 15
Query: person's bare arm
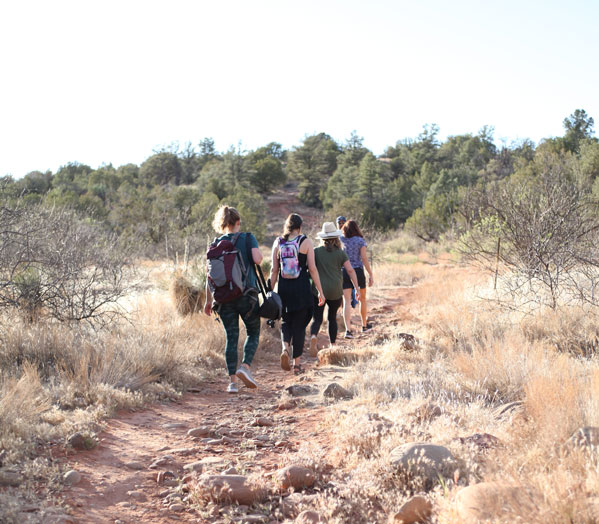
pixel 313 271
pixel 208 302
pixel 364 257
pixel 351 272
pixel 257 255
pixel 274 268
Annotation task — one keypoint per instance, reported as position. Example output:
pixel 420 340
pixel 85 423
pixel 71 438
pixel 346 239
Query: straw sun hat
pixel 329 230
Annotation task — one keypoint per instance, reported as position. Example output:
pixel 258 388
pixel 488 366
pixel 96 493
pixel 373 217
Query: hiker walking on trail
pixel 355 247
pixel 232 284
pixel 292 260
pixel 330 258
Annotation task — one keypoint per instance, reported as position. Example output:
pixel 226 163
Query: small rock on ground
pixel 296 477
pixel 417 509
pixel 337 392
pixel 424 460
pixel 72 477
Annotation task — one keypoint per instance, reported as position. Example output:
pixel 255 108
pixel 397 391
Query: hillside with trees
pixel 164 205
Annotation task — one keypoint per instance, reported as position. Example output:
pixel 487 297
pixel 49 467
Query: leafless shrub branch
pixel 55 264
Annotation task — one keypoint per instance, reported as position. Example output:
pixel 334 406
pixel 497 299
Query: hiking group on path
pixel 308 279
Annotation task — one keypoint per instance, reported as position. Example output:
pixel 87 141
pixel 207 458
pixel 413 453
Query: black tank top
pixel 296 293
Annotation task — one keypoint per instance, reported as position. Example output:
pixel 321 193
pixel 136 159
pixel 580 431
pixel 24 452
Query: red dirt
pixel 102 495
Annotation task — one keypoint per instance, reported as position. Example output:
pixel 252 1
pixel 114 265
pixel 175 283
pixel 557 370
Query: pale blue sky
pixel 100 82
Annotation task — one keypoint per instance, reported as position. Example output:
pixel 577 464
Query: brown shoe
pixel 313 347
pixel 285 360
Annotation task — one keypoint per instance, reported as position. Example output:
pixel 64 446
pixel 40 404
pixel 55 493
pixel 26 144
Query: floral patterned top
pixel 352 247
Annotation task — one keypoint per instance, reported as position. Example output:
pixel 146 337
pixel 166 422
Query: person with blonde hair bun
pixel 292 262
pixel 228 222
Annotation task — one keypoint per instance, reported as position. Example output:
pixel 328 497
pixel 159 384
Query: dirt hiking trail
pixel 140 471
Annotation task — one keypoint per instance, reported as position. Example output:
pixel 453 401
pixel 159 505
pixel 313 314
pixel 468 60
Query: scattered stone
pixel 72 477
pixel 195 466
pixel 264 422
pixel 194 390
pixel 417 509
pixel 135 465
pixel 585 437
pixel 10 478
pixel 77 441
pixel 206 462
pixel 482 441
pixel 337 392
pixel 229 488
pixel 137 495
pixel 160 462
pixel 509 409
pixel 163 476
pixel 407 341
pixel 287 404
pixel 308 517
pixel 296 477
pixel 298 390
pixel 282 444
pixel 214 441
pixel 231 471
pixel 427 412
pixel 424 460
pixel 183 451
pixel 174 425
pixel 29 508
pixel 177 507
pixel 202 431
pixel 489 500
pixel 251 519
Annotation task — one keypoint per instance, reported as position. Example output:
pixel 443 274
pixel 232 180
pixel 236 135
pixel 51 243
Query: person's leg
pixel 286 335
pixel 315 327
pixel 318 312
pixel 334 305
pixel 252 327
pixel 301 320
pixel 363 307
pixel 229 316
pixel 347 309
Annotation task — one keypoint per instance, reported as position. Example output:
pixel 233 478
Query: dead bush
pixel 186 297
pixel 56 264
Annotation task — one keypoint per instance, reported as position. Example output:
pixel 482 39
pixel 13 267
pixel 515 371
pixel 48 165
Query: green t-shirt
pixel 329 264
pixel 249 264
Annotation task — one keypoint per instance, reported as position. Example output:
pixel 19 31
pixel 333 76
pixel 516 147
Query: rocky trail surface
pixel 145 461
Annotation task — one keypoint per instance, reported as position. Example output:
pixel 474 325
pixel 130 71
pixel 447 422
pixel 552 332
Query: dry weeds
pixel 472 359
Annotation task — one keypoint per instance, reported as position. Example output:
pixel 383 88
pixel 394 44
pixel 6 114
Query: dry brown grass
pixel 344 357
pixel 473 357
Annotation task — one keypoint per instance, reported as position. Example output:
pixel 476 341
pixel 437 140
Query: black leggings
pixel 293 329
pixel 334 305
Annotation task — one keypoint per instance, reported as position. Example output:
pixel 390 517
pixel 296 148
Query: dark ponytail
pixel 292 223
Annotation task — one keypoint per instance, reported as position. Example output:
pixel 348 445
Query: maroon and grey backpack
pixel 225 271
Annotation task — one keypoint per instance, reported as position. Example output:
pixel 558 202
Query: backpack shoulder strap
pixel 235 238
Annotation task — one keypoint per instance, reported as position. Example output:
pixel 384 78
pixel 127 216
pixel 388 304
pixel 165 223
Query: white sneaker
pixel 245 375
pixel 232 388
